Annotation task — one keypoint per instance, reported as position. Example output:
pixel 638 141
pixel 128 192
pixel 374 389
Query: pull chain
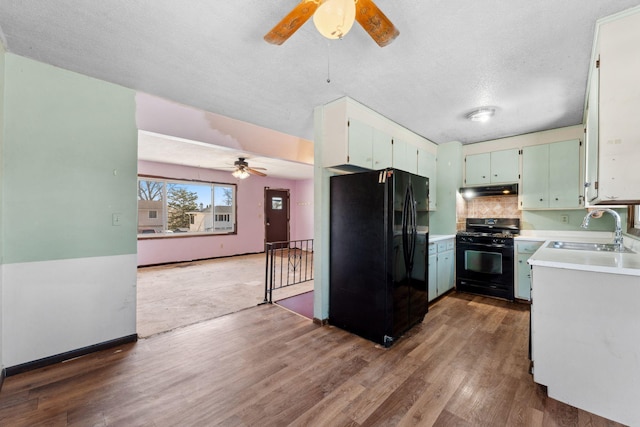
pixel 328 62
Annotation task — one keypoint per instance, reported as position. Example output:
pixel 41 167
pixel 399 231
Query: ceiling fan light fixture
pixel 334 18
pixel 481 114
pixel 240 174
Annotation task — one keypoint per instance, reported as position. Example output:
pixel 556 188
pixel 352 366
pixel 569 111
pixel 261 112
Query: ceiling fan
pixel 334 18
pixel 242 169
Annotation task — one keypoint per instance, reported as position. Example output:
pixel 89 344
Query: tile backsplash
pixel 486 207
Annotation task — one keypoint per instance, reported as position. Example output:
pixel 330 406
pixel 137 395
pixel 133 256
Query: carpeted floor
pixel 177 295
pixel 301 304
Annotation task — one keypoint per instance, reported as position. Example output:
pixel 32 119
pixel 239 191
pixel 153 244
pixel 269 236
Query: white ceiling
pixel 530 59
pixel 165 149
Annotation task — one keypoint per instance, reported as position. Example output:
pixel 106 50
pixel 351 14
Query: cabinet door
pixel 478 169
pixel 564 174
pixel 360 144
pixel 619 102
pixel 591 137
pixel 399 158
pixel 445 272
pixel 433 276
pixel 535 176
pixel 504 166
pixel 382 150
pixel 405 156
pixel 523 278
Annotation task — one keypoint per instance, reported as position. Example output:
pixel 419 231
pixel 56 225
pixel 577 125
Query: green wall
pixel 552 220
pixel 70 150
pixel 449 180
pixel 2 65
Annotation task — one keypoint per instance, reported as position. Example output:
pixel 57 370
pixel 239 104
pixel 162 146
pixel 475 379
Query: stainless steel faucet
pixel 617 237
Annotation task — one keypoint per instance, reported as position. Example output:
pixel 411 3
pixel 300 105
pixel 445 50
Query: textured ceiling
pixel 529 59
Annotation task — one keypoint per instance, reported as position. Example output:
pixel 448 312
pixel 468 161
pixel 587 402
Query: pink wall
pixel 302 210
pixel 250 200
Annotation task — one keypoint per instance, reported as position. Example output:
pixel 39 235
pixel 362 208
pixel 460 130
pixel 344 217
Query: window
pixel 169 207
pixel 276 203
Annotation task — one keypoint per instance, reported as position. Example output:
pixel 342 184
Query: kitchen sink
pixel 582 246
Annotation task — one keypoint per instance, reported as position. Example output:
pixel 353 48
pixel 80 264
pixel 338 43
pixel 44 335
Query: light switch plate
pixel 116 219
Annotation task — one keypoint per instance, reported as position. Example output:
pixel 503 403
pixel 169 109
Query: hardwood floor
pixel 465 365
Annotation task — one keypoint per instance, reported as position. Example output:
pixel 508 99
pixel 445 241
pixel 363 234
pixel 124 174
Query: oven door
pixel 485 269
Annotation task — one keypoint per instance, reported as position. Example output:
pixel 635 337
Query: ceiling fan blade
pixel 374 22
pixel 290 23
pixel 255 172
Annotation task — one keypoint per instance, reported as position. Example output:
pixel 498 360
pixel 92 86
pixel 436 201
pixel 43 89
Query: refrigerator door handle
pixel 414 231
pixel 408 229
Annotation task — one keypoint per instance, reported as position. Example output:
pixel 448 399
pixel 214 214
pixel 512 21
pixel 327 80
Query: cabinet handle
pixel 495 175
pixel 556 199
pixel 540 199
pixel 483 176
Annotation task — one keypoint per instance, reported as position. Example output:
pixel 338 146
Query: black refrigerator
pixel 379 238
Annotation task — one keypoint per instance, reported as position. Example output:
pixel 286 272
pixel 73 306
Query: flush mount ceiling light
pixel 481 114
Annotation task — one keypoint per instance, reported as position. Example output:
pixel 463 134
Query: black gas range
pixel 485 256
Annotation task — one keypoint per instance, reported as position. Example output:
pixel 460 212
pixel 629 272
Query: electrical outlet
pixel 564 219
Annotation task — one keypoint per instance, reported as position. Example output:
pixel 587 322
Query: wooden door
pixel 276 215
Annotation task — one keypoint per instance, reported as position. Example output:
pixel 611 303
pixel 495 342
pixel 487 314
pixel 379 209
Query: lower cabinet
pixel 524 249
pixel 441 267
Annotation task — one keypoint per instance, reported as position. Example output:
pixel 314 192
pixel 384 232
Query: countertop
pixel 602 262
pixel 438 237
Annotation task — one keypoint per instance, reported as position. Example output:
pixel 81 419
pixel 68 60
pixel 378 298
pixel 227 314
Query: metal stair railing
pixel 287 263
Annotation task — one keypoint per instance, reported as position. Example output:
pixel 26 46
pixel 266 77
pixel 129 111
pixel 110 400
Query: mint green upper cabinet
pixel 495 167
pixel 535 177
pixel 504 166
pixel 478 169
pixel 427 167
pixel 551 176
pixel 564 174
pixel 360 144
pixel 405 156
pixel 382 150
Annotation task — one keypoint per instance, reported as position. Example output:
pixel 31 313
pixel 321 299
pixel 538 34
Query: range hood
pixel 489 190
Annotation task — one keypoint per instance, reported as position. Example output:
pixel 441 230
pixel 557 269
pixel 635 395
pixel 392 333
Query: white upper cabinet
pixel 382 150
pixel 496 167
pixel 356 138
pixel 612 119
pixel 360 142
